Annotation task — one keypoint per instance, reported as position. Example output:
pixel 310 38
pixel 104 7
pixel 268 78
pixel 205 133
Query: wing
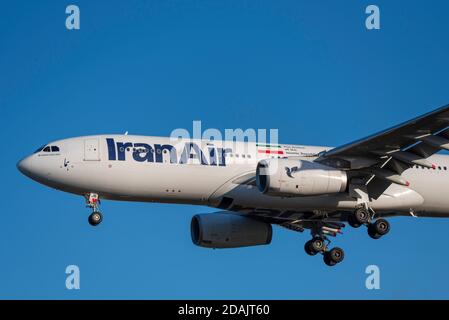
pixel 385 155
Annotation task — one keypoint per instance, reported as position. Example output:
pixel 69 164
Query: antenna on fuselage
pixel 126 133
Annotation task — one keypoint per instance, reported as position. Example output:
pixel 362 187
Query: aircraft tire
pixel 352 222
pixel 361 216
pixel 308 248
pixel 381 226
pixel 372 232
pixel 317 244
pixel 327 260
pixel 95 218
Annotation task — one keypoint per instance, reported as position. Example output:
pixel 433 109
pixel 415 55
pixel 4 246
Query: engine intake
pixel 228 230
pixel 289 178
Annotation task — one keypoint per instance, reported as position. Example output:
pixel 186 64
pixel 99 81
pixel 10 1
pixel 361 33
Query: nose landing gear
pixel 93 201
pixel 95 218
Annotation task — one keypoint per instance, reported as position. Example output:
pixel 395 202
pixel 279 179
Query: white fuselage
pixel 156 169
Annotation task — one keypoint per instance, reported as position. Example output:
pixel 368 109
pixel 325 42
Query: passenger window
pixel 54 149
pixel 46 149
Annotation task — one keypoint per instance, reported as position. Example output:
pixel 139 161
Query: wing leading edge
pixel 382 157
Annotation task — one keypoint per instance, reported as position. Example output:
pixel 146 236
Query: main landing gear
pixel 320 244
pixel 362 216
pixel 330 256
pixel 93 201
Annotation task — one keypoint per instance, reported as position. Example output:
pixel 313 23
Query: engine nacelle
pixel 289 178
pixel 227 230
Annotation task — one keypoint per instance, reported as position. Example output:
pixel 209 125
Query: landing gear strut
pixel 93 201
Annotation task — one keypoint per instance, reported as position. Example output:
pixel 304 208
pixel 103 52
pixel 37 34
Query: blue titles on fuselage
pixel 143 152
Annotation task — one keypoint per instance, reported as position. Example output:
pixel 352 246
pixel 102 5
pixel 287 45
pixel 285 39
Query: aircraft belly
pixel 147 181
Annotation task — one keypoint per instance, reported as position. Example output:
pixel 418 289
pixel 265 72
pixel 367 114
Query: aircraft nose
pixel 25 166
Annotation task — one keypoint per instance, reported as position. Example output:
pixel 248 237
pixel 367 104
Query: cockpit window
pixel 46 148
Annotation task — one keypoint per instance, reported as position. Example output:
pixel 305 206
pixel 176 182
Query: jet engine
pixel 228 230
pixel 290 177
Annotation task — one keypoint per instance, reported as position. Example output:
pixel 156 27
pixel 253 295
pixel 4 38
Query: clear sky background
pixel 308 68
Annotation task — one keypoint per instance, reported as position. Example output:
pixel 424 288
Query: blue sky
pixel 308 68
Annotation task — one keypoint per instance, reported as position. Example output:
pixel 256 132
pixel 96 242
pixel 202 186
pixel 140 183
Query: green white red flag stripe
pixel 269 149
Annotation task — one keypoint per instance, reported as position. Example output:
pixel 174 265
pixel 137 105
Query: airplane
pixel 396 172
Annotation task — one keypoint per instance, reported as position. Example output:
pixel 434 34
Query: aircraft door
pixel 91 150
